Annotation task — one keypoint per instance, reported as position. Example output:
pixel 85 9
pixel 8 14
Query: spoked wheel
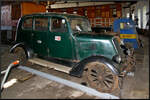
pixel 100 77
pixel 20 55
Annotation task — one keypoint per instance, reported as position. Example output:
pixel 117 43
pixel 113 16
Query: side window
pixel 41 24
pixel 58 25
pixel 27 24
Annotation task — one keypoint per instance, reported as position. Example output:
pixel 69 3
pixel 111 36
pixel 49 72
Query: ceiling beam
pixel 77 4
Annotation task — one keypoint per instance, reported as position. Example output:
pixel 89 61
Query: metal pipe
pixel 7 72
pixel 69 83
pixel 3 72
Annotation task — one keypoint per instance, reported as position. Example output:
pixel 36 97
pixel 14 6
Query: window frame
pixel 50 25
pixel 22 26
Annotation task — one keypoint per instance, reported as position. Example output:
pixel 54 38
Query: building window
pixel 144 17
pixel 139 18
pixel 133 16
pixel 128 15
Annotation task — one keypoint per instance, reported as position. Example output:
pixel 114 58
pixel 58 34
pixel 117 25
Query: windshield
pixel 80 25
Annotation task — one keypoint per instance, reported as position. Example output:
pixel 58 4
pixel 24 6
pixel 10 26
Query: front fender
pixel 28 51
pixel 77 70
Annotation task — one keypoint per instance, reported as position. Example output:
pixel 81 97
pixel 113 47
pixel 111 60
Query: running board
pixel 49 64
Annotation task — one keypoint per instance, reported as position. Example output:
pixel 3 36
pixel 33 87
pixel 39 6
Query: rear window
pixel 27 24
pixel 41 24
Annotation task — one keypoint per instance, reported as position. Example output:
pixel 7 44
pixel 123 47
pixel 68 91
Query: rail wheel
pixel 100 77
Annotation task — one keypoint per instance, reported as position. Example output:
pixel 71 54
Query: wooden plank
pixel 52 65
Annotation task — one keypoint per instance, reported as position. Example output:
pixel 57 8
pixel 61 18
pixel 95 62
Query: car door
pixel 60 44
pixel 40 31
pixel 26 31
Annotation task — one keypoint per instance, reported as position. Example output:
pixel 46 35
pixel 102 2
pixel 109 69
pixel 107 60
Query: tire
pixel 98 76
pixel 20 55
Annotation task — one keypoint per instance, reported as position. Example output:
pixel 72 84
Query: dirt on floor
pixel 135 85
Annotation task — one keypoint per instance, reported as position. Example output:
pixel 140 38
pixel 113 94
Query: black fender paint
pixel 28 51
pixel 77 69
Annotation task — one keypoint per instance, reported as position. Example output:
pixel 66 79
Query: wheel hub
pixel 101 78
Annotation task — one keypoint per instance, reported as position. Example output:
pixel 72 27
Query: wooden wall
pixel 102 15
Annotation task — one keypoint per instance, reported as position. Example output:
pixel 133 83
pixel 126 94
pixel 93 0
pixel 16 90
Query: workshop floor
pixel 135 86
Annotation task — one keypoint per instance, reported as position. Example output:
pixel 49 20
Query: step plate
pixel 49 64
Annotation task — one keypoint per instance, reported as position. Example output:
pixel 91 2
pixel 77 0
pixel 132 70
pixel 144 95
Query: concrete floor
pixel 36 87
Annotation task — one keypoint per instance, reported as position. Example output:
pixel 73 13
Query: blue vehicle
pixel 127 31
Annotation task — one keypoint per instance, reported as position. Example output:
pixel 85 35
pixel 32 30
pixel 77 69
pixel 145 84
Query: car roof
pixel 55 14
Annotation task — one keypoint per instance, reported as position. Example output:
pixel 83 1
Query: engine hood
pixel 90 44
pixel 92 36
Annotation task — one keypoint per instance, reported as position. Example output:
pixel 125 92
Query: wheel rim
pixel 101 78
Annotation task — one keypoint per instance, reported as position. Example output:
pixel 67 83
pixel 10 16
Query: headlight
pixel 117 58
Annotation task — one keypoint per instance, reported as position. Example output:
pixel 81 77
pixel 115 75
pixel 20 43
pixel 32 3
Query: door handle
pixel 39 41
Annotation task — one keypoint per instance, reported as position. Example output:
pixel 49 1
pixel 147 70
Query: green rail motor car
pixel 98 58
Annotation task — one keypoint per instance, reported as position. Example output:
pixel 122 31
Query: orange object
pixel 107 14
pixel 29 8
pixel 16 62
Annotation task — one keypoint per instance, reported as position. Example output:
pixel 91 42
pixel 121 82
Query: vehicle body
pixel 127 30
pixel 69 37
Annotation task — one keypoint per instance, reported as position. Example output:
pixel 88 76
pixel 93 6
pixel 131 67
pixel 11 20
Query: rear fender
pixel 78 69
pixel 28 51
